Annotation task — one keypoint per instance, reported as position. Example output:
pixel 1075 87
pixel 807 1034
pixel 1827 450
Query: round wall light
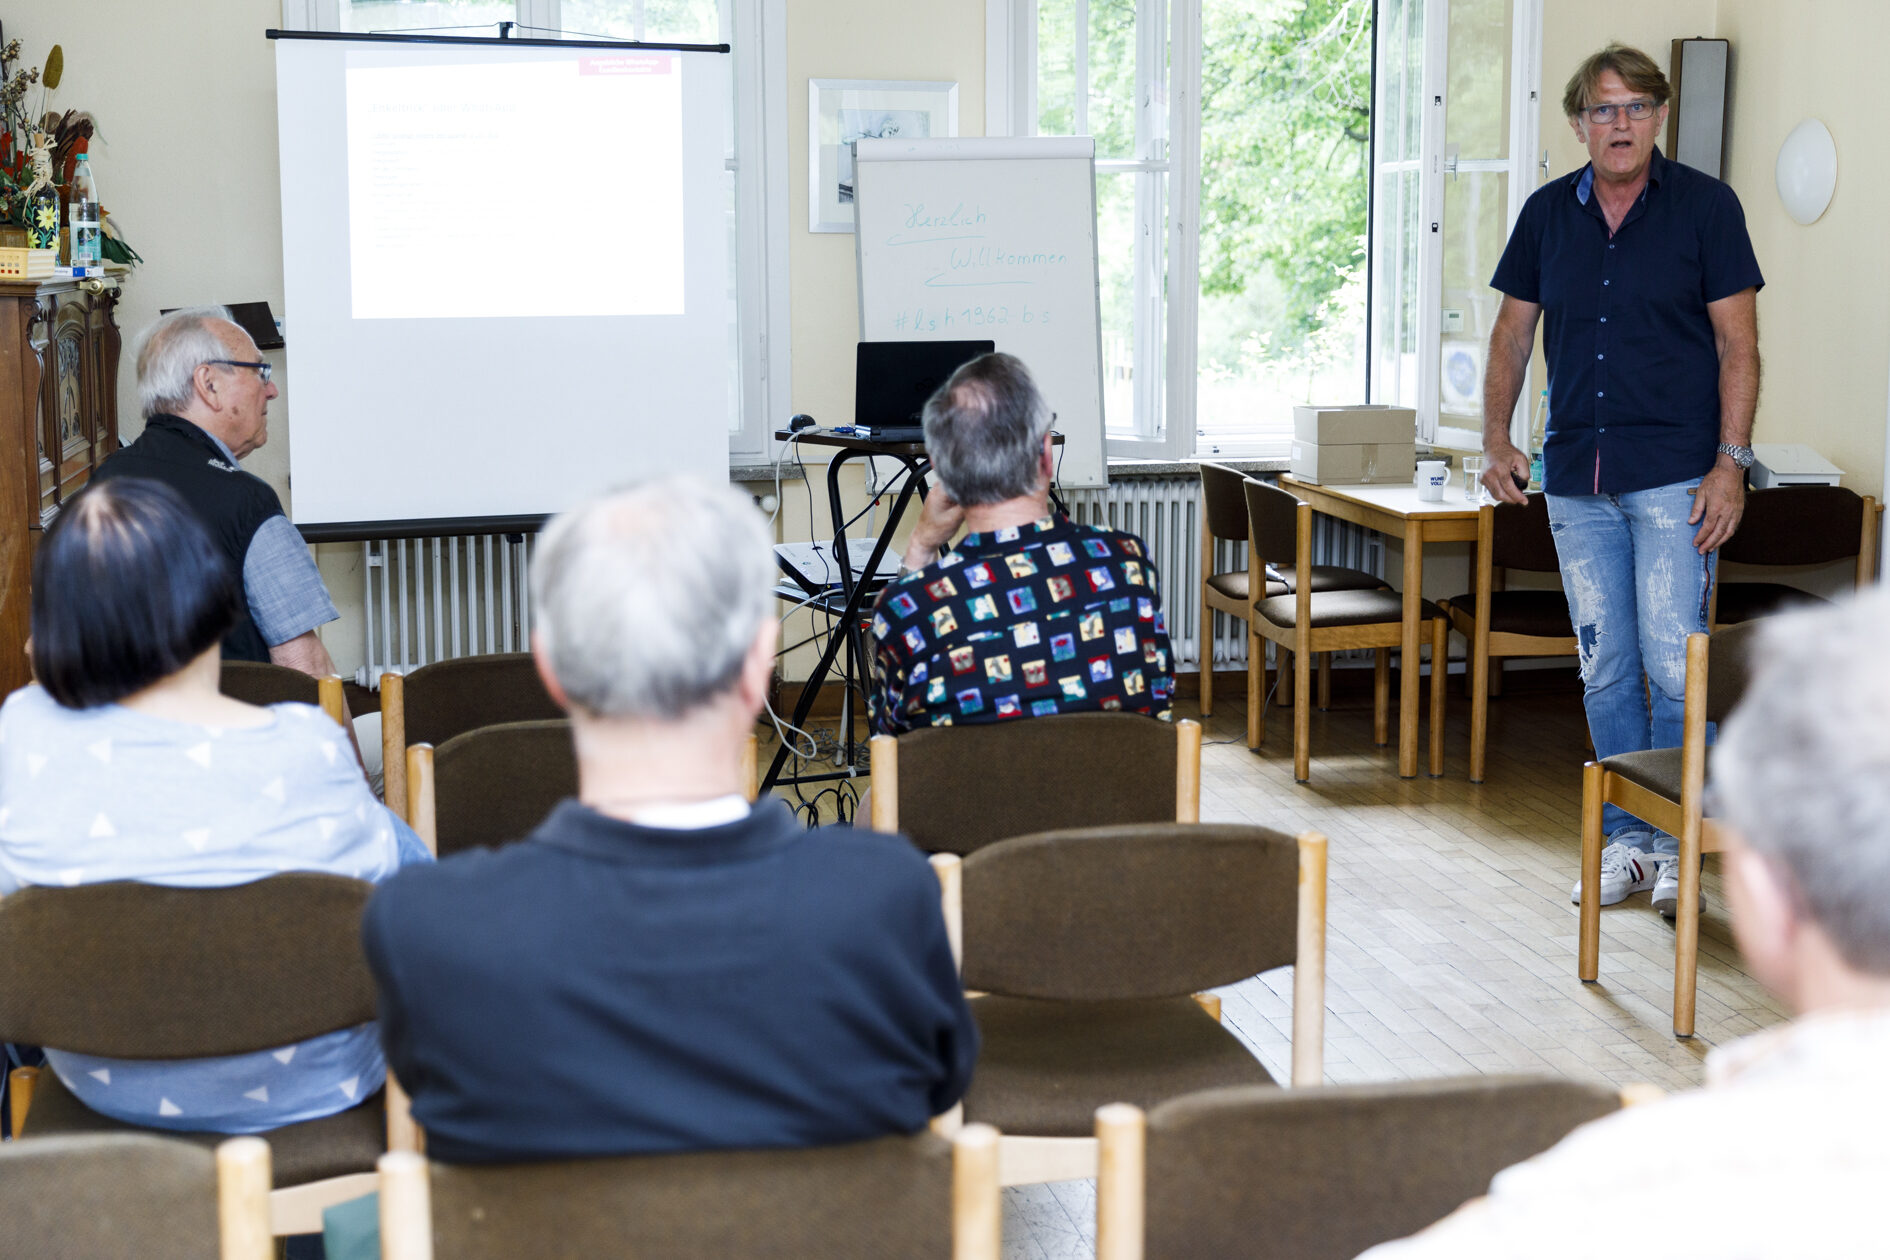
pixel 1807 170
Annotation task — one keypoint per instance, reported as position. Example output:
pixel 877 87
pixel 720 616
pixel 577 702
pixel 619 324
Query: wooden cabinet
pixel 59 348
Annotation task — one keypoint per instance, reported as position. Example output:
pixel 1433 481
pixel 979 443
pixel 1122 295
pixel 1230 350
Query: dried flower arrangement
pixel 61 136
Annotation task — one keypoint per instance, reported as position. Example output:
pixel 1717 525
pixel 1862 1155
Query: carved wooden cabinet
pixel 59 348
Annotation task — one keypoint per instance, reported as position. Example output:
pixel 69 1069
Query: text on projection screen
pixel 438 153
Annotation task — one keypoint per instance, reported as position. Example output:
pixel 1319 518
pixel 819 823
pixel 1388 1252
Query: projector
pixel 1790 464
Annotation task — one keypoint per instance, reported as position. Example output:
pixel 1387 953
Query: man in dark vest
pixel 204 390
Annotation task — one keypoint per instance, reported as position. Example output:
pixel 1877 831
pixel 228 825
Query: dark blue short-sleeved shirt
pixel 1633 365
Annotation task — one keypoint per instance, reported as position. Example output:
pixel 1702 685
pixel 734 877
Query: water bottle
pixel 1538 431
pixel 82 221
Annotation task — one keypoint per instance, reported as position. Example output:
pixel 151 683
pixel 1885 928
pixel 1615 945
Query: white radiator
pixel 431 599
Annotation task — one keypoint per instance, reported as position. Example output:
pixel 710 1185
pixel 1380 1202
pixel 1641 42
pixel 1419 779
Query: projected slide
pixel 540 188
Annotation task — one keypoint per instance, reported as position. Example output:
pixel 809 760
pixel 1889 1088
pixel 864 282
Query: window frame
pixel 761 145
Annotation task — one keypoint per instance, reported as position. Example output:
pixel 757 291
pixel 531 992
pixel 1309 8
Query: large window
pixel 1231 201
pixel 755 30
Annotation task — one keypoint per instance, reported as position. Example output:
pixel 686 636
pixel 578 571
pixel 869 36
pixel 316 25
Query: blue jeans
pixel 1636 588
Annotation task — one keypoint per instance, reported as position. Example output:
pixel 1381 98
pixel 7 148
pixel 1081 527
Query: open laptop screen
pixel 894 378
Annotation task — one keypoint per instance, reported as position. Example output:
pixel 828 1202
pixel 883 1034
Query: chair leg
pixel 1205 636
pixel 1440 678
pixel 1256 689
pixel 1325 681
pixel 1381 697
pixel 1686 940
pixel 1479 710
pixel 1588 957
pixel 1302 717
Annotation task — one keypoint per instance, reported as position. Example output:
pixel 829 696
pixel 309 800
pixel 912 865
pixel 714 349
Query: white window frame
pixel 1434 165
pixel 760 72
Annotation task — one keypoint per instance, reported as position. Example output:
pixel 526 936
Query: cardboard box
pixel 1354 463
pixel 1365 423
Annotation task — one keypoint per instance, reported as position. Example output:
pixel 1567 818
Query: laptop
pixel 815 568
pixel 893 379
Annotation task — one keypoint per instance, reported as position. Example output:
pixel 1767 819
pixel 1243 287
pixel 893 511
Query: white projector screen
pixel 506 272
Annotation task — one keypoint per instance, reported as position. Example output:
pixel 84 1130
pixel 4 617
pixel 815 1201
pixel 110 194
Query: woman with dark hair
pixel 125 762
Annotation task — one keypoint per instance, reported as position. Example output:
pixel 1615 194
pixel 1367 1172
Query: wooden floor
pixel 1451 940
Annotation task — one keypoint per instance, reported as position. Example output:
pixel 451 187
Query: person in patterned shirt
pixel 1028 614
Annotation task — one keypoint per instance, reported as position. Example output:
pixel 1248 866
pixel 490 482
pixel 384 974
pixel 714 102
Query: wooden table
pixel 1397 510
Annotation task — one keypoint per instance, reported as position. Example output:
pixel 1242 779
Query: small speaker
pixel 1696 123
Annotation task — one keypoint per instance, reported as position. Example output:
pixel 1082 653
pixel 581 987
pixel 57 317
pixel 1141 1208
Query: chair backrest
pixel 258 682
pixel 1329 1172
pixel 1272 524
pixel 1797 525
pixel 1109 913
pixel 1729 664
pixel 494 784
pixel 139 971
pixel 888 1197
pixel 448 698
pixel 1521 536
pixel 1224 501
pixel 963 787
pixel 98 1196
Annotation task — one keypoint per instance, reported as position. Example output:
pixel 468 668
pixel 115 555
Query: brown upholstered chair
pixel 493 785
pixel 1309 621
pixel 912 1196
pixel 954 789
pixel 140 971
pixel 1319 1174
pixel 258 682
pixel 1224 518
pixel 1085 950
pixel 1665 788
pixel 134 1196
pixel 1795 526
pixel 1499 623
pixel 448 698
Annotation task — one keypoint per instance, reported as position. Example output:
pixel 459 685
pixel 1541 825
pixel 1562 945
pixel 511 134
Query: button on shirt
pixel 1633 362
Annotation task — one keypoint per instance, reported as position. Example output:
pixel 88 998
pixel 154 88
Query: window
pixel 1459 104
pixel 1231 183
pixel 756 147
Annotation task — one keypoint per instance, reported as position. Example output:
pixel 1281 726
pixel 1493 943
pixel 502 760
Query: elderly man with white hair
pixel 1785 1151
pixel 661 966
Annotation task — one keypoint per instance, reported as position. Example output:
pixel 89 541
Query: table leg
pixel 1408 646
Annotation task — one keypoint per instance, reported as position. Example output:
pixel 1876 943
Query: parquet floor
pixel 1451 938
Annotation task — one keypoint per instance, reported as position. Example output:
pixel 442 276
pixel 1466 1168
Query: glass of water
pixel 1473 490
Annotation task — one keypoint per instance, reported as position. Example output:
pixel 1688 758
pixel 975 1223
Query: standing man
pixel 204 390
pixel 1649 285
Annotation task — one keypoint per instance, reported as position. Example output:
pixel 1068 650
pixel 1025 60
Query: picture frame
pixel 840 111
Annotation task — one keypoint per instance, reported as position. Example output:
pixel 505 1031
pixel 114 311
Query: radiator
pixel 432 599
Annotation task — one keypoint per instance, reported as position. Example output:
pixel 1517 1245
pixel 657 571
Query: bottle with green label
pixel 1538 431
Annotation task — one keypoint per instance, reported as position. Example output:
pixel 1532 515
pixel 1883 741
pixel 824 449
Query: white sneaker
pixel 1667 889
pixel 1624 869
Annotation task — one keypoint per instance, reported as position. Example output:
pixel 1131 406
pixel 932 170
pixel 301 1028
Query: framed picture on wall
pixel 840 111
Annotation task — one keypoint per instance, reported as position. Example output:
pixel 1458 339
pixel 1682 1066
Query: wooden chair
pixel 1087 952
pixel 1224 518
pixel 448 698
pixel 1498 623
pixel 954 789
pixel 1320 1174
pixel 258 682
pixel 1309 621
pixel 493 785
pixel 134 1196
pixel 1795 526
pixel 141 971
pixel 1665 788
pixel 917 1196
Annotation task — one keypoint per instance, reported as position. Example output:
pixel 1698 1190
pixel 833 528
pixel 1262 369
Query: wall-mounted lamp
pixel 1807 170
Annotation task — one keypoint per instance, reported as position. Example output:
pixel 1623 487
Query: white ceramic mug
pixel 1432 476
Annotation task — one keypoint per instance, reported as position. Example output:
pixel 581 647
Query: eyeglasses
pixel 263 370
pixel 1638 111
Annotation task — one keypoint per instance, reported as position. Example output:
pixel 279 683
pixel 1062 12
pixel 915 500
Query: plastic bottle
pixel 82 221
pixel 1538 431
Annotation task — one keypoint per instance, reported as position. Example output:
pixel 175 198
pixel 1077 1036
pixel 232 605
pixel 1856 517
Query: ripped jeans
pixel 1636 588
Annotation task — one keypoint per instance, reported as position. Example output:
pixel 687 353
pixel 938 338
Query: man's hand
pixel 938 524
pixel 1718 504
pixel 1505 473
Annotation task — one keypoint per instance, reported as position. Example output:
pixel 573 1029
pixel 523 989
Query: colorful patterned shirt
pixel 1023 621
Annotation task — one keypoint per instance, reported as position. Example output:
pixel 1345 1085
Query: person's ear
pixel 757 674
pixel 1575 125
pixel 541 661
pixel 1765 914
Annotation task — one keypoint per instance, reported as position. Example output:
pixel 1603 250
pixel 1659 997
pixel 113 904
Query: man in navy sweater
pixel 661 966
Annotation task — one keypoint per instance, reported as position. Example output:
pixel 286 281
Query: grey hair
pixel 984 428
pixel 1802 768
pixel 647 598
pixel 169 354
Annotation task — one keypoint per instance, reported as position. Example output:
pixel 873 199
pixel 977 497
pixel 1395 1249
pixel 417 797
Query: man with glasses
pixel 1644 278
pixel 204 390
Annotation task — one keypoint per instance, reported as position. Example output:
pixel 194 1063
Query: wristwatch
pixel 1741 455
